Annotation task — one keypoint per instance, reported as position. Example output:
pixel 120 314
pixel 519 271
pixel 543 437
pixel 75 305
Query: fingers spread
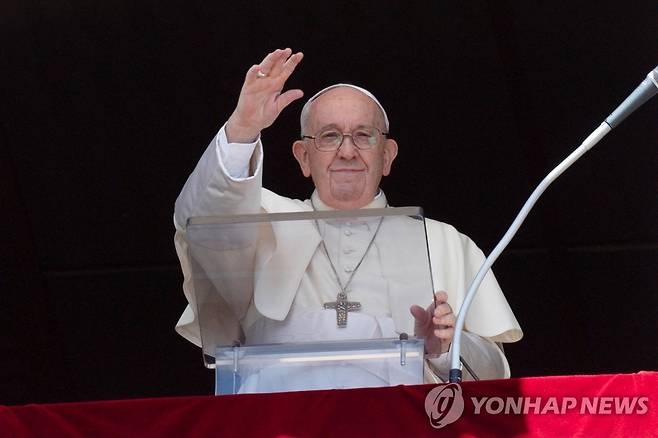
pixel 287 98
pixel 277 67
pixel 268 63
pixel 290 65
pixel 274 69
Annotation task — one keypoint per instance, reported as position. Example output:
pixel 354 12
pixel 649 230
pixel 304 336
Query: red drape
pixel 625 406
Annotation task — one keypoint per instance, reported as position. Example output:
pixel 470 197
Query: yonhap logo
pixel 444 404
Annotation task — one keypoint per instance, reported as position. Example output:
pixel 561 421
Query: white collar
pixel 379 201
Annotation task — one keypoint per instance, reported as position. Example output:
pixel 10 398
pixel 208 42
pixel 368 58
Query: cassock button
pixel 348 232
pixel 348 269
pixel 348 250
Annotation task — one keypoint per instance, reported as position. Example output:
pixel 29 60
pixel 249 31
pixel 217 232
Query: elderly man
pixel 345 149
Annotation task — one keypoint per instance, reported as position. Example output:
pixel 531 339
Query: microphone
pixel 645 91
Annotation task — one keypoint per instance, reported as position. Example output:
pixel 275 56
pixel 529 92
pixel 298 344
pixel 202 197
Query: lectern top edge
pixel 305 215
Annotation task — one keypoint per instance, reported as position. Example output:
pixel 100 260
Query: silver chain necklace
pixel 342 305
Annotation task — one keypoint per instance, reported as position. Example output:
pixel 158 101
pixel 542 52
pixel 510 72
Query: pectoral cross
pixel 342 306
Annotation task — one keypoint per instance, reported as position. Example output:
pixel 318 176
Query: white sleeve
pixel 483 356
pixel 234 157
pixel 226 180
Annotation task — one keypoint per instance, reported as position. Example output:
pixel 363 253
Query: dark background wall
pixel 106 106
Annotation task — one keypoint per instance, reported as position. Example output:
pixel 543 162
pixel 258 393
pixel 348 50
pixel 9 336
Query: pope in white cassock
pixel 345 149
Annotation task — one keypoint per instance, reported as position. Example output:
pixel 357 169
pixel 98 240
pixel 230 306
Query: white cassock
pixel 289 308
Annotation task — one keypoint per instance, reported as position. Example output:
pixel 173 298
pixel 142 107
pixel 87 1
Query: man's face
pixel 347 178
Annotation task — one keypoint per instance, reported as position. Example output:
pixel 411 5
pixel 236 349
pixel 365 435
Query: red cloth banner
pixel 600 405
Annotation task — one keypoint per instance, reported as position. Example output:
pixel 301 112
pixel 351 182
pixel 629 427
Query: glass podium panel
pixel 319 365
pixel 295 283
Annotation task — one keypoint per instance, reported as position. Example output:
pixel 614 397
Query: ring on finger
pixel 261 74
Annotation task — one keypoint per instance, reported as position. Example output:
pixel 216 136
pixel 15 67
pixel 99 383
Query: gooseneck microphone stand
pixel 645 91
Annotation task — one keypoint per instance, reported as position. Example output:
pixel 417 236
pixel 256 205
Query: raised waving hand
pixel 262 98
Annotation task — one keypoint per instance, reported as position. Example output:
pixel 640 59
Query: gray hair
pixel 306 110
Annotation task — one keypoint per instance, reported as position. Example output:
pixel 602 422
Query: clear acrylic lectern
pixel 310 300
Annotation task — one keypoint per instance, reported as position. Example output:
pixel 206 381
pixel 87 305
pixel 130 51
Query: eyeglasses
pixel 364 138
